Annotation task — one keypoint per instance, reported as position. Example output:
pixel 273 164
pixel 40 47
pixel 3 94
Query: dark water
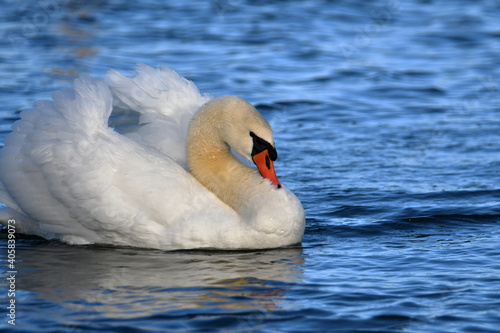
pixel 386 117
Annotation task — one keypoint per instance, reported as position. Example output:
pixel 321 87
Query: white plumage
pixel 65 174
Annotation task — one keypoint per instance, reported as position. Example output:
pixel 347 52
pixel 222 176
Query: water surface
pixel 386 116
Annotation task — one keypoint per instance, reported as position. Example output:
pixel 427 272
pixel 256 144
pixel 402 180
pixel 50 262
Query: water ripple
pixel 385 115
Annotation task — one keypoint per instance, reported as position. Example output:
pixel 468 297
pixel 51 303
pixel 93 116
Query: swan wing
pixel 159 104
pixel 27 176
pixel 82 182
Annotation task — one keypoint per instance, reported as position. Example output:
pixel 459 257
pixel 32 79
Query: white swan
pixel 65 174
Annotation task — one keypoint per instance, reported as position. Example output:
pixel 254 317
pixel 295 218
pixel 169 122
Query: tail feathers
pixel 21 222
pixel 13 212
pixel 88 105
pixel 6 198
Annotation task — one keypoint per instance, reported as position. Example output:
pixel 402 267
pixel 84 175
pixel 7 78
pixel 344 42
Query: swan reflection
pixel 126 282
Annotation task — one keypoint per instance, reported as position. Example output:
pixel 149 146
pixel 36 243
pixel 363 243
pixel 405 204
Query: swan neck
pixel 211 162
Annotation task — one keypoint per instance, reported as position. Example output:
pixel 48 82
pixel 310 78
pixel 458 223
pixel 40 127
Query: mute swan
pixel 169 182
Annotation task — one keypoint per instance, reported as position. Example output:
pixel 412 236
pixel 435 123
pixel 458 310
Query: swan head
pixel 232 121
pixel 245 130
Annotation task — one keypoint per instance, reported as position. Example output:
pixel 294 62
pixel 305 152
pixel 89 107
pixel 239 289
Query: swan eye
pixel 259 145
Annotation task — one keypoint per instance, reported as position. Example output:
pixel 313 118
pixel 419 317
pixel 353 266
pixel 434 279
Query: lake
pixel 386 117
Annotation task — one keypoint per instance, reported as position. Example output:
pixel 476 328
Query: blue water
pixel 386 117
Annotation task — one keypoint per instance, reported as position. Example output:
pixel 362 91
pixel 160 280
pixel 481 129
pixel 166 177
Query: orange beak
pixel 266 167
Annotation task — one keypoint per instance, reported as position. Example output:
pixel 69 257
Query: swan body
pixel 168 181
